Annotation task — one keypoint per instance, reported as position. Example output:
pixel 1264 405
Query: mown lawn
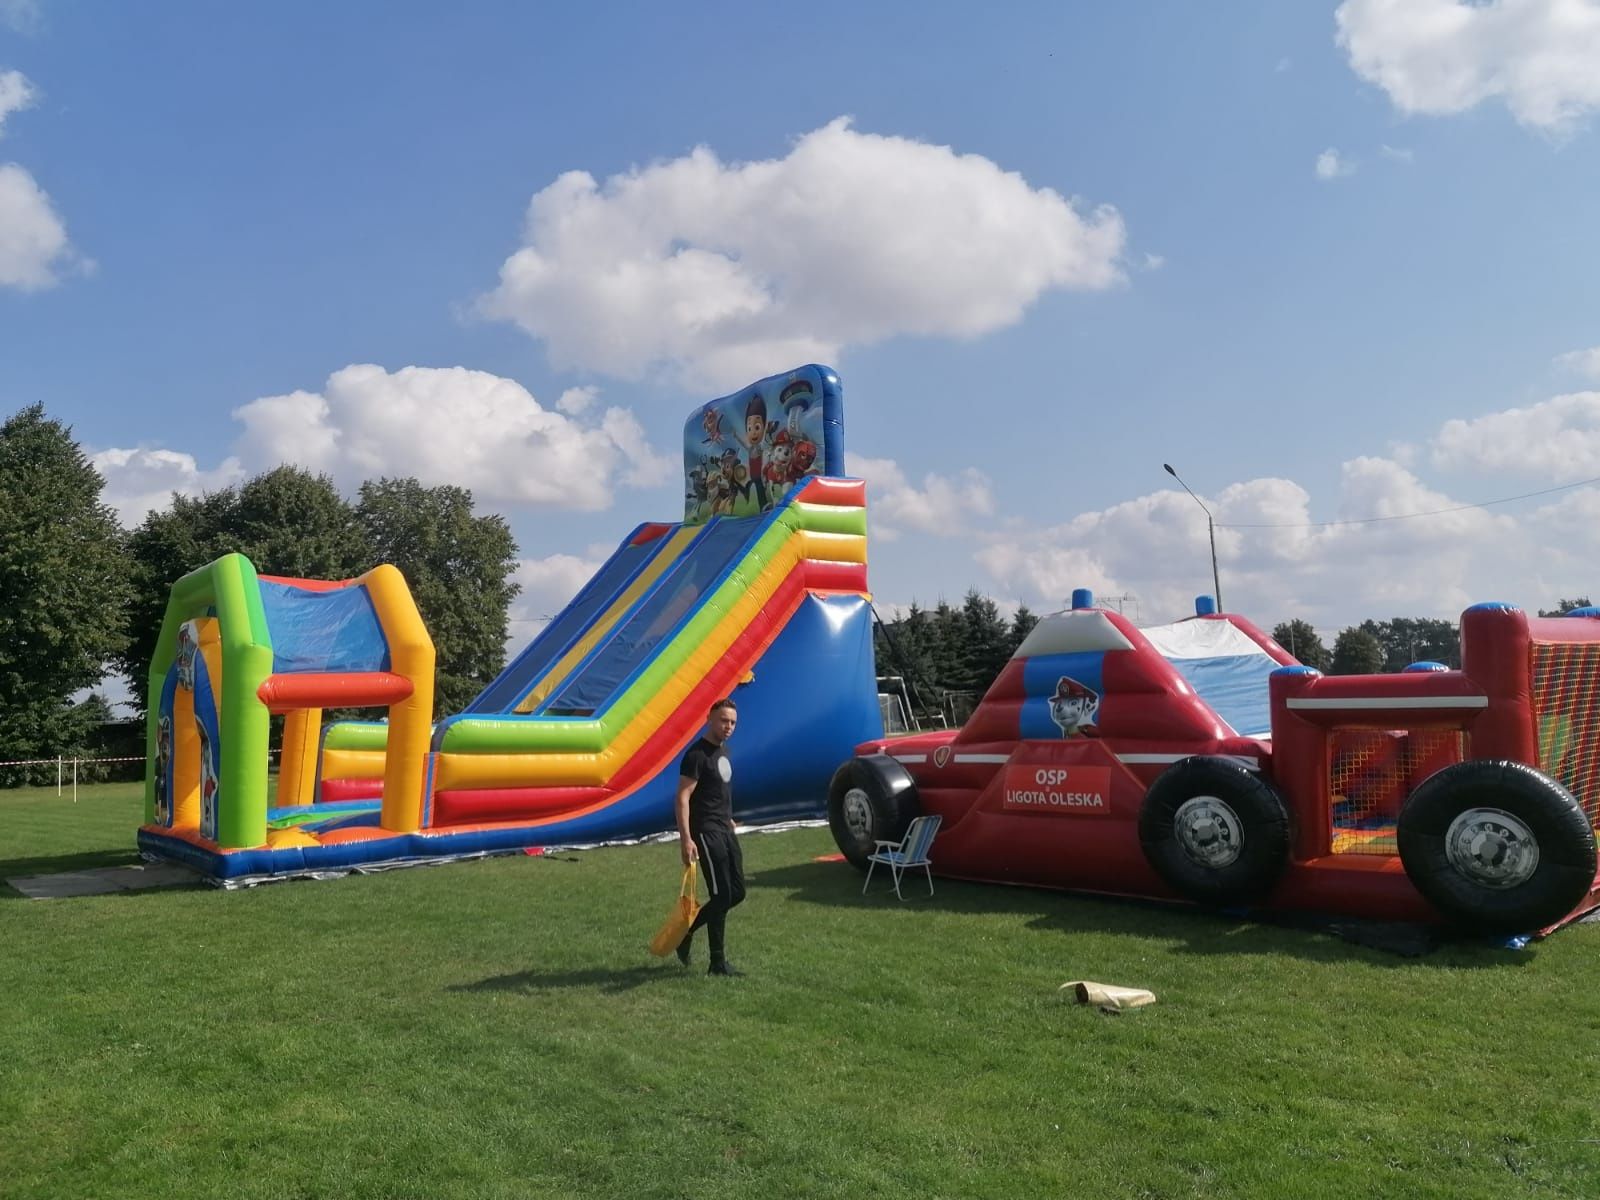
pixel 496 1029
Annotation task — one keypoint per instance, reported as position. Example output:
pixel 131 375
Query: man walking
pixel 705 831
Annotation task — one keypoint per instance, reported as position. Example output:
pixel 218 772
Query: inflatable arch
pixel 234 649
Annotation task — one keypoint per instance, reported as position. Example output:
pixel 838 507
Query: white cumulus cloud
pixel 453 425
pixel 1558 439
pixel 16 94
pixel 1275 564
pixel 33 241
pixel 941 504
pixel 715 271
pixel 139 479
pixel 1540 57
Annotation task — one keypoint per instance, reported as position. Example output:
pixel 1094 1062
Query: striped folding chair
pixel 908 853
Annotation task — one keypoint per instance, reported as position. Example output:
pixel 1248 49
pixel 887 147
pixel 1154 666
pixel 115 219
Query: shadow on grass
pixel 87 860
pixel 611 981
pixel 1194 930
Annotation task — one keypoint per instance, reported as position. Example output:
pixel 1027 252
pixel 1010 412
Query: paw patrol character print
pixel 754 441
pixel 164 770
pixel 711 422
pixel 208 788
pixel 802 460
pixel 1073 706
pixel 778 461
pixel 188 645
pixel 722 483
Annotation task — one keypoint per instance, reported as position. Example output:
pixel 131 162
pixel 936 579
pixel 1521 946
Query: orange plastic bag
pixel 684 910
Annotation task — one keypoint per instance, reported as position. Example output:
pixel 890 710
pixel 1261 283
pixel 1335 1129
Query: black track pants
pixel 723 867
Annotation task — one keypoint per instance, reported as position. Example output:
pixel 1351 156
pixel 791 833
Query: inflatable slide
pixel 759 593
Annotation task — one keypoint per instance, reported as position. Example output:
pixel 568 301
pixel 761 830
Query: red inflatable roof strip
pixel 836 576
pixel 650 532
pixel 333 689
pixel 1563 630
pixel 310 585
pixel 840 493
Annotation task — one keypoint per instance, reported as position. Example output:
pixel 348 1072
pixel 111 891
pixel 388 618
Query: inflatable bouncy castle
pixel 1198 761
pixel 759 593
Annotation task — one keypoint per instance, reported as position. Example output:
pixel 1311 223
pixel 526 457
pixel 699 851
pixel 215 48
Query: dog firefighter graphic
pixel 1073 707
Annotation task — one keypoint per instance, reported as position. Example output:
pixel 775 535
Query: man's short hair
pixel 725 702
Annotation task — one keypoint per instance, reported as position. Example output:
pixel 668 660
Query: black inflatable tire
pixel 1495 890
pixel 1216 832
pixel 870 799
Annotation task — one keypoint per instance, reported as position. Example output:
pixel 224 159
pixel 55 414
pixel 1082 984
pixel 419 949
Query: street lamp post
pixel 1211 529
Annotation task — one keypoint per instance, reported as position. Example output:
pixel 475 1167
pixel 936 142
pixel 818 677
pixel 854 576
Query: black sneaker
pixel 724 968
pixel 683 949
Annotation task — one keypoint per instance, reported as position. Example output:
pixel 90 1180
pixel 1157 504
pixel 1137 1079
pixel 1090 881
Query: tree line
pixel 79 594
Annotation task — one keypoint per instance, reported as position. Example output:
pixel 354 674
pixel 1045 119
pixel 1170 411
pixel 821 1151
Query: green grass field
pixel 496 1029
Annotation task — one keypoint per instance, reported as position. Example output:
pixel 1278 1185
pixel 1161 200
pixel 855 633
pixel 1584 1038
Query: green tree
pixel 459 567
pixel 1406 640
pixel 902 648
pixel 1022 623
pixel 987 640
pixel 1564 606
pixel 63 587
pixel 1357 652
pixel 949 650
pixel 1300 639
pixel 286 521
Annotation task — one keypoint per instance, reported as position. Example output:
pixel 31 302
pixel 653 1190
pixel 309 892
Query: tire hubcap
pixel 858 814
pixel 1491 847
pixel 1209 831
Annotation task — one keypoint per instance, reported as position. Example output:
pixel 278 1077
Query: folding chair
pixel 908 853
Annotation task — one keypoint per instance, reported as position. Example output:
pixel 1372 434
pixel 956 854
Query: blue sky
pixel 1332 261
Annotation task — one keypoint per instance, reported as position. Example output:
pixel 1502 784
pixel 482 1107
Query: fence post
pixel 58 776
pixel 74 780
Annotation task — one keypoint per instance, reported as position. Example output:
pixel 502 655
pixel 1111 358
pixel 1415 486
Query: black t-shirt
pixel 711 802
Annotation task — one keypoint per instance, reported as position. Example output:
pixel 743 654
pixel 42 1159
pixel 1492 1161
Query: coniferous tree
pixel 1022 623
pixel 987 641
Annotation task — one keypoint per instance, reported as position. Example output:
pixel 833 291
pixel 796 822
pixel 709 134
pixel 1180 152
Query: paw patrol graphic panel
pixel 742 453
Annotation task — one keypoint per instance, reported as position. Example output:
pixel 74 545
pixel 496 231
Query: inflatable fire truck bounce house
pixel 759 592
pixel 1199 761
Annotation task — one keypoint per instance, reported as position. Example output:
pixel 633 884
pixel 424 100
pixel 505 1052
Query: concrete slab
pixel 103 881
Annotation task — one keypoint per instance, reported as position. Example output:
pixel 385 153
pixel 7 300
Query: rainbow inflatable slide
pixel 760 592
